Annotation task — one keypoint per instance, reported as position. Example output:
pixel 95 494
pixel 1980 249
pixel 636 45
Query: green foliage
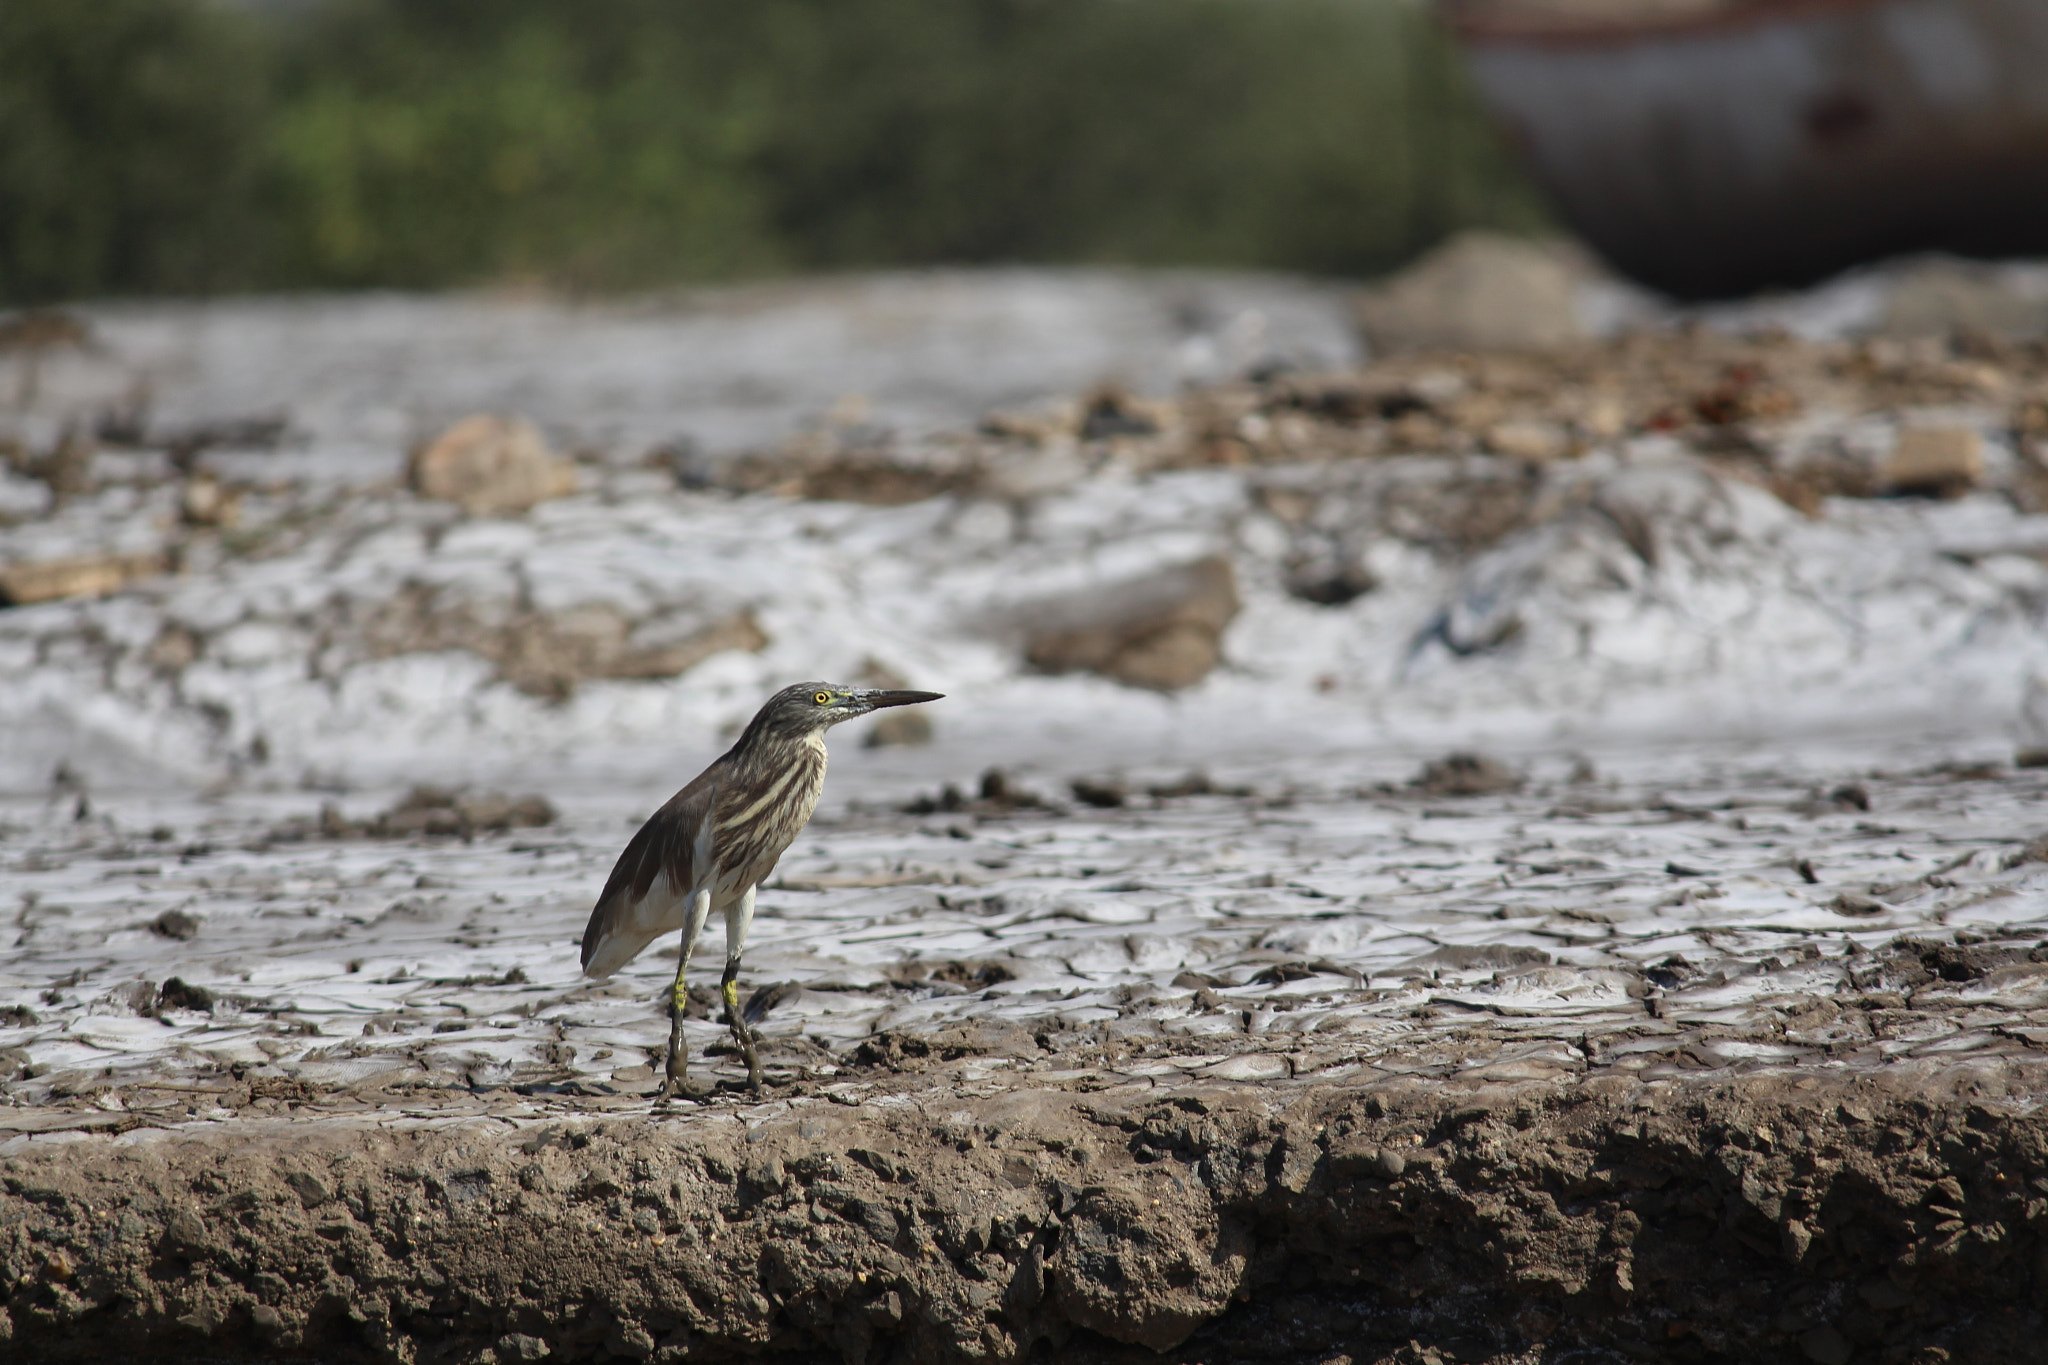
pixel 126 155
pixel 1328 135
pixel 610 142
pixel 166 144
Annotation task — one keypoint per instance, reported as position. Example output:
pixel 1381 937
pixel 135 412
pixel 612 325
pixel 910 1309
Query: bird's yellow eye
pixel 823 699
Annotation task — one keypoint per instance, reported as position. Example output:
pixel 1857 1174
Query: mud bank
pixel 1770 1217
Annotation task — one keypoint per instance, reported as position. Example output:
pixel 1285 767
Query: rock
pixel 491 466
pixel 1943 297
pixel 1100 794
pixel 1479 289
pixel 1327 583
pixel 1147 1273
pixel 205 501
pixel 85 576
pixel 1941 462
pixel 175 924
pixel 172 650
pixel 1110 412
pixel 1467 775
pixel 175 994
pixel 1528 439
pixel 1162 631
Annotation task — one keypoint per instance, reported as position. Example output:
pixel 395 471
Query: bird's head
pixel 807 706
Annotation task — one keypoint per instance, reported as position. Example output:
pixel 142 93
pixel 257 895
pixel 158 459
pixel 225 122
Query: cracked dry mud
pixel 1742 1064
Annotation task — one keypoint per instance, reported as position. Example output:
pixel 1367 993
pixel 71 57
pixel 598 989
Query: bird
pixel 713 844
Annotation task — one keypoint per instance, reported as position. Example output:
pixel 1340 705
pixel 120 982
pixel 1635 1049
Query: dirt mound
pixel 1766 1219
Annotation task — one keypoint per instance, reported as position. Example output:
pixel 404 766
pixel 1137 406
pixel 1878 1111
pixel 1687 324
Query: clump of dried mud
pixel 1765 1218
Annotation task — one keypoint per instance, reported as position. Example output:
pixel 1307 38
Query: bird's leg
pixel 676 1074
pixel 739 916
pixel 740 1032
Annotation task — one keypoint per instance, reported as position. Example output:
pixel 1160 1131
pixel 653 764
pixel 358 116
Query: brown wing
pixel 667 848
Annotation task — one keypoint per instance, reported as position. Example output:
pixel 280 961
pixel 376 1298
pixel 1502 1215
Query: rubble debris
pixel 435 811
pixel 1479 289
pixel 997 794
pixel 23 584
pixel 1531 440
pixel 1850 796
pixel 1103 794
pixel 1163 631
pixel 175 994
pixel 1194 783
pixel 546 654
pixel 1931 461
pixel 175 924
pixel 856 463
pixel 1109 412
pixel 491 466
pixel 1467 774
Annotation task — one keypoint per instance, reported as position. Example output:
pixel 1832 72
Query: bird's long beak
pixel 878 698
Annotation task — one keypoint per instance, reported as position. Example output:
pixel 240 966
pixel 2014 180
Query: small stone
pixel 1104 795
pixel 491 466
pixel 1465 774
pixel 1390 1163
pixel 519 1346
pixel 207 502
pixel 173 649
pixel 1529 440
pixel 175 994
pixel 311 1189
pixel 1939 462
pixel 52 580
pixel 175 924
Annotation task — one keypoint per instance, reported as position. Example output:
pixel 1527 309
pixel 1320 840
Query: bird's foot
pixel 682 1088
pixel 743 1036
pixel 676 1082
pixel 745 1040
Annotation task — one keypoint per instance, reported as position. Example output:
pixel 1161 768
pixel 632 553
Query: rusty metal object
pixel 1710 147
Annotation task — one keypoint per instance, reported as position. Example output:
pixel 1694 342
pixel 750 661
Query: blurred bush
pixel 129 146
pixel 174 144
